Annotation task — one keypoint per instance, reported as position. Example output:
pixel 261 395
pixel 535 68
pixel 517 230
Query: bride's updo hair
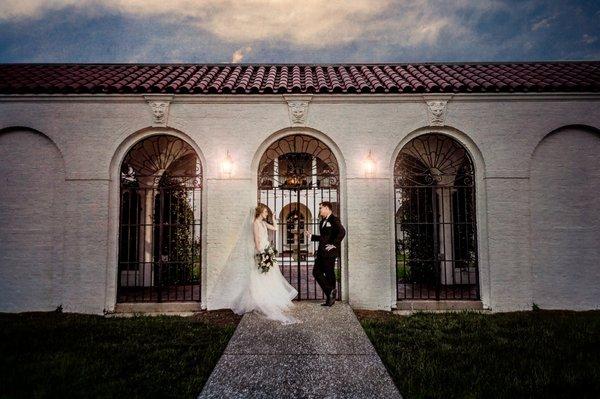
pixel 258 210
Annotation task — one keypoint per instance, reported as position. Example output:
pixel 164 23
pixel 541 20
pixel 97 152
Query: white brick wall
pixel 368 241
pixel 88 136
pixel 565 220
pixel 31 230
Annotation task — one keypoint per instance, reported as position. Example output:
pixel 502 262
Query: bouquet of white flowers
pixel 267 258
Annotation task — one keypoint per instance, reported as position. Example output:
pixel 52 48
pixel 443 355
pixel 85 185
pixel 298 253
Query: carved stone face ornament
pixel 437 111
pixel 437 108
pixel 298 111
pixel 159 107
pixel 158 111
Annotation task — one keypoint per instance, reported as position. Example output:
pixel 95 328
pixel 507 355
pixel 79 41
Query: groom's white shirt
pixel 322 223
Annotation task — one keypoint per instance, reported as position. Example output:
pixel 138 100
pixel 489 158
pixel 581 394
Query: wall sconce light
pixel 227 166
pixel 369 165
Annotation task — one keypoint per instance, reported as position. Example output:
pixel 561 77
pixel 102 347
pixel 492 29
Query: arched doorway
pixel 32 231
pixel 565 218
pixel 160 222
pixel 295 174
pixel 435 226
pixel 295 216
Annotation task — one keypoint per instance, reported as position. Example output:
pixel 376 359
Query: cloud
pixel 313 23
pixel 239 54
pixel 543 23
pixel 305 24
pixel 588 39
pixel 292 30
pixel 19 9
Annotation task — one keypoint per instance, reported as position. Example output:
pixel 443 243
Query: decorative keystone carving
pixel 437 112
pixel 159 107
pixel 298 109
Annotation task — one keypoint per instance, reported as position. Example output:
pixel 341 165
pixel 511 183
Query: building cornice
pixel 316 98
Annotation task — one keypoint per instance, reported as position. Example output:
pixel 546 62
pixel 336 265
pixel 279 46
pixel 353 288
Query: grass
pixel 52 354
pixel 534 354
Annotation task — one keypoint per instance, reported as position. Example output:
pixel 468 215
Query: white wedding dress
pixel 268 294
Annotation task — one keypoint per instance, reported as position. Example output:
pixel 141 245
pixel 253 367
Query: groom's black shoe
pixel 332 296
pixel 326 302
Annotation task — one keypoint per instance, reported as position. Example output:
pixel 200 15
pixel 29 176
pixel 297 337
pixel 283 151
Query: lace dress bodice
pixel 263 234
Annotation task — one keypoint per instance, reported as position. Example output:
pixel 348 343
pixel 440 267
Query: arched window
pixel 295 173
pixel 160 222
pixel 436 240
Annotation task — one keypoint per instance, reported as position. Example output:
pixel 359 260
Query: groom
pixel 331 234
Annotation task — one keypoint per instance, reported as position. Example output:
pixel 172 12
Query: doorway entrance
pixel 160 222
pixel 435 224
pixel 295 174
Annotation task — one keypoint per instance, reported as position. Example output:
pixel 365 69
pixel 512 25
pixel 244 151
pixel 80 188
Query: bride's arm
pixel 256 231
pixel 271 226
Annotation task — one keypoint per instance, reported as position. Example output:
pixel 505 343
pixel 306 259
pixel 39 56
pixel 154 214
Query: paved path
pixel 326 356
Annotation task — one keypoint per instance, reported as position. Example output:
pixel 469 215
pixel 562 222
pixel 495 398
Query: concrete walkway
pixel 326 356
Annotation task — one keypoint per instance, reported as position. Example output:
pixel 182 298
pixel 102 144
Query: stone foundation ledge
pixel 149 308
pixel 402 307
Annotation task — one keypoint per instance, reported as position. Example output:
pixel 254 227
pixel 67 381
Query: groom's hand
pixel 329 246
pixel 307 234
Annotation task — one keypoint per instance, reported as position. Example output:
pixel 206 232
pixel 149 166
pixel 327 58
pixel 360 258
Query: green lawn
pixel 535 354
pixel 73 355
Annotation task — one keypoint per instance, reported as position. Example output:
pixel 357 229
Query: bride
pixel 269 293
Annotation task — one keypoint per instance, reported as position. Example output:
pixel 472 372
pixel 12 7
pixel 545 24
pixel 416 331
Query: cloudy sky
pixel 302 31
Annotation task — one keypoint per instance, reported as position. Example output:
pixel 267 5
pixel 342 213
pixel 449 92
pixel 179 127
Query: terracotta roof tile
pixel 571 76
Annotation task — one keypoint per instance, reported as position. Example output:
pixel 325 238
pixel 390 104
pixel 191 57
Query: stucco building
pixel 459 184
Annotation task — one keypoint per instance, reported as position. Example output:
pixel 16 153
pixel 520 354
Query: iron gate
pixel 295 174
pixel 435 229
pixel 160 222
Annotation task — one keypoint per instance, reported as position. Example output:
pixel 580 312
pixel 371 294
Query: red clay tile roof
pixel 571 76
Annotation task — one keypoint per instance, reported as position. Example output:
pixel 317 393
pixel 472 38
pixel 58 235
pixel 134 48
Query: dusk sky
pixel 294 31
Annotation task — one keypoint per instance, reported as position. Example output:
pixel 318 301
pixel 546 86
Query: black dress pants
pixel 324 273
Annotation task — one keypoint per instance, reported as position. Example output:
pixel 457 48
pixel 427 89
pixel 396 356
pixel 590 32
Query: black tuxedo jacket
pixel 333 234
